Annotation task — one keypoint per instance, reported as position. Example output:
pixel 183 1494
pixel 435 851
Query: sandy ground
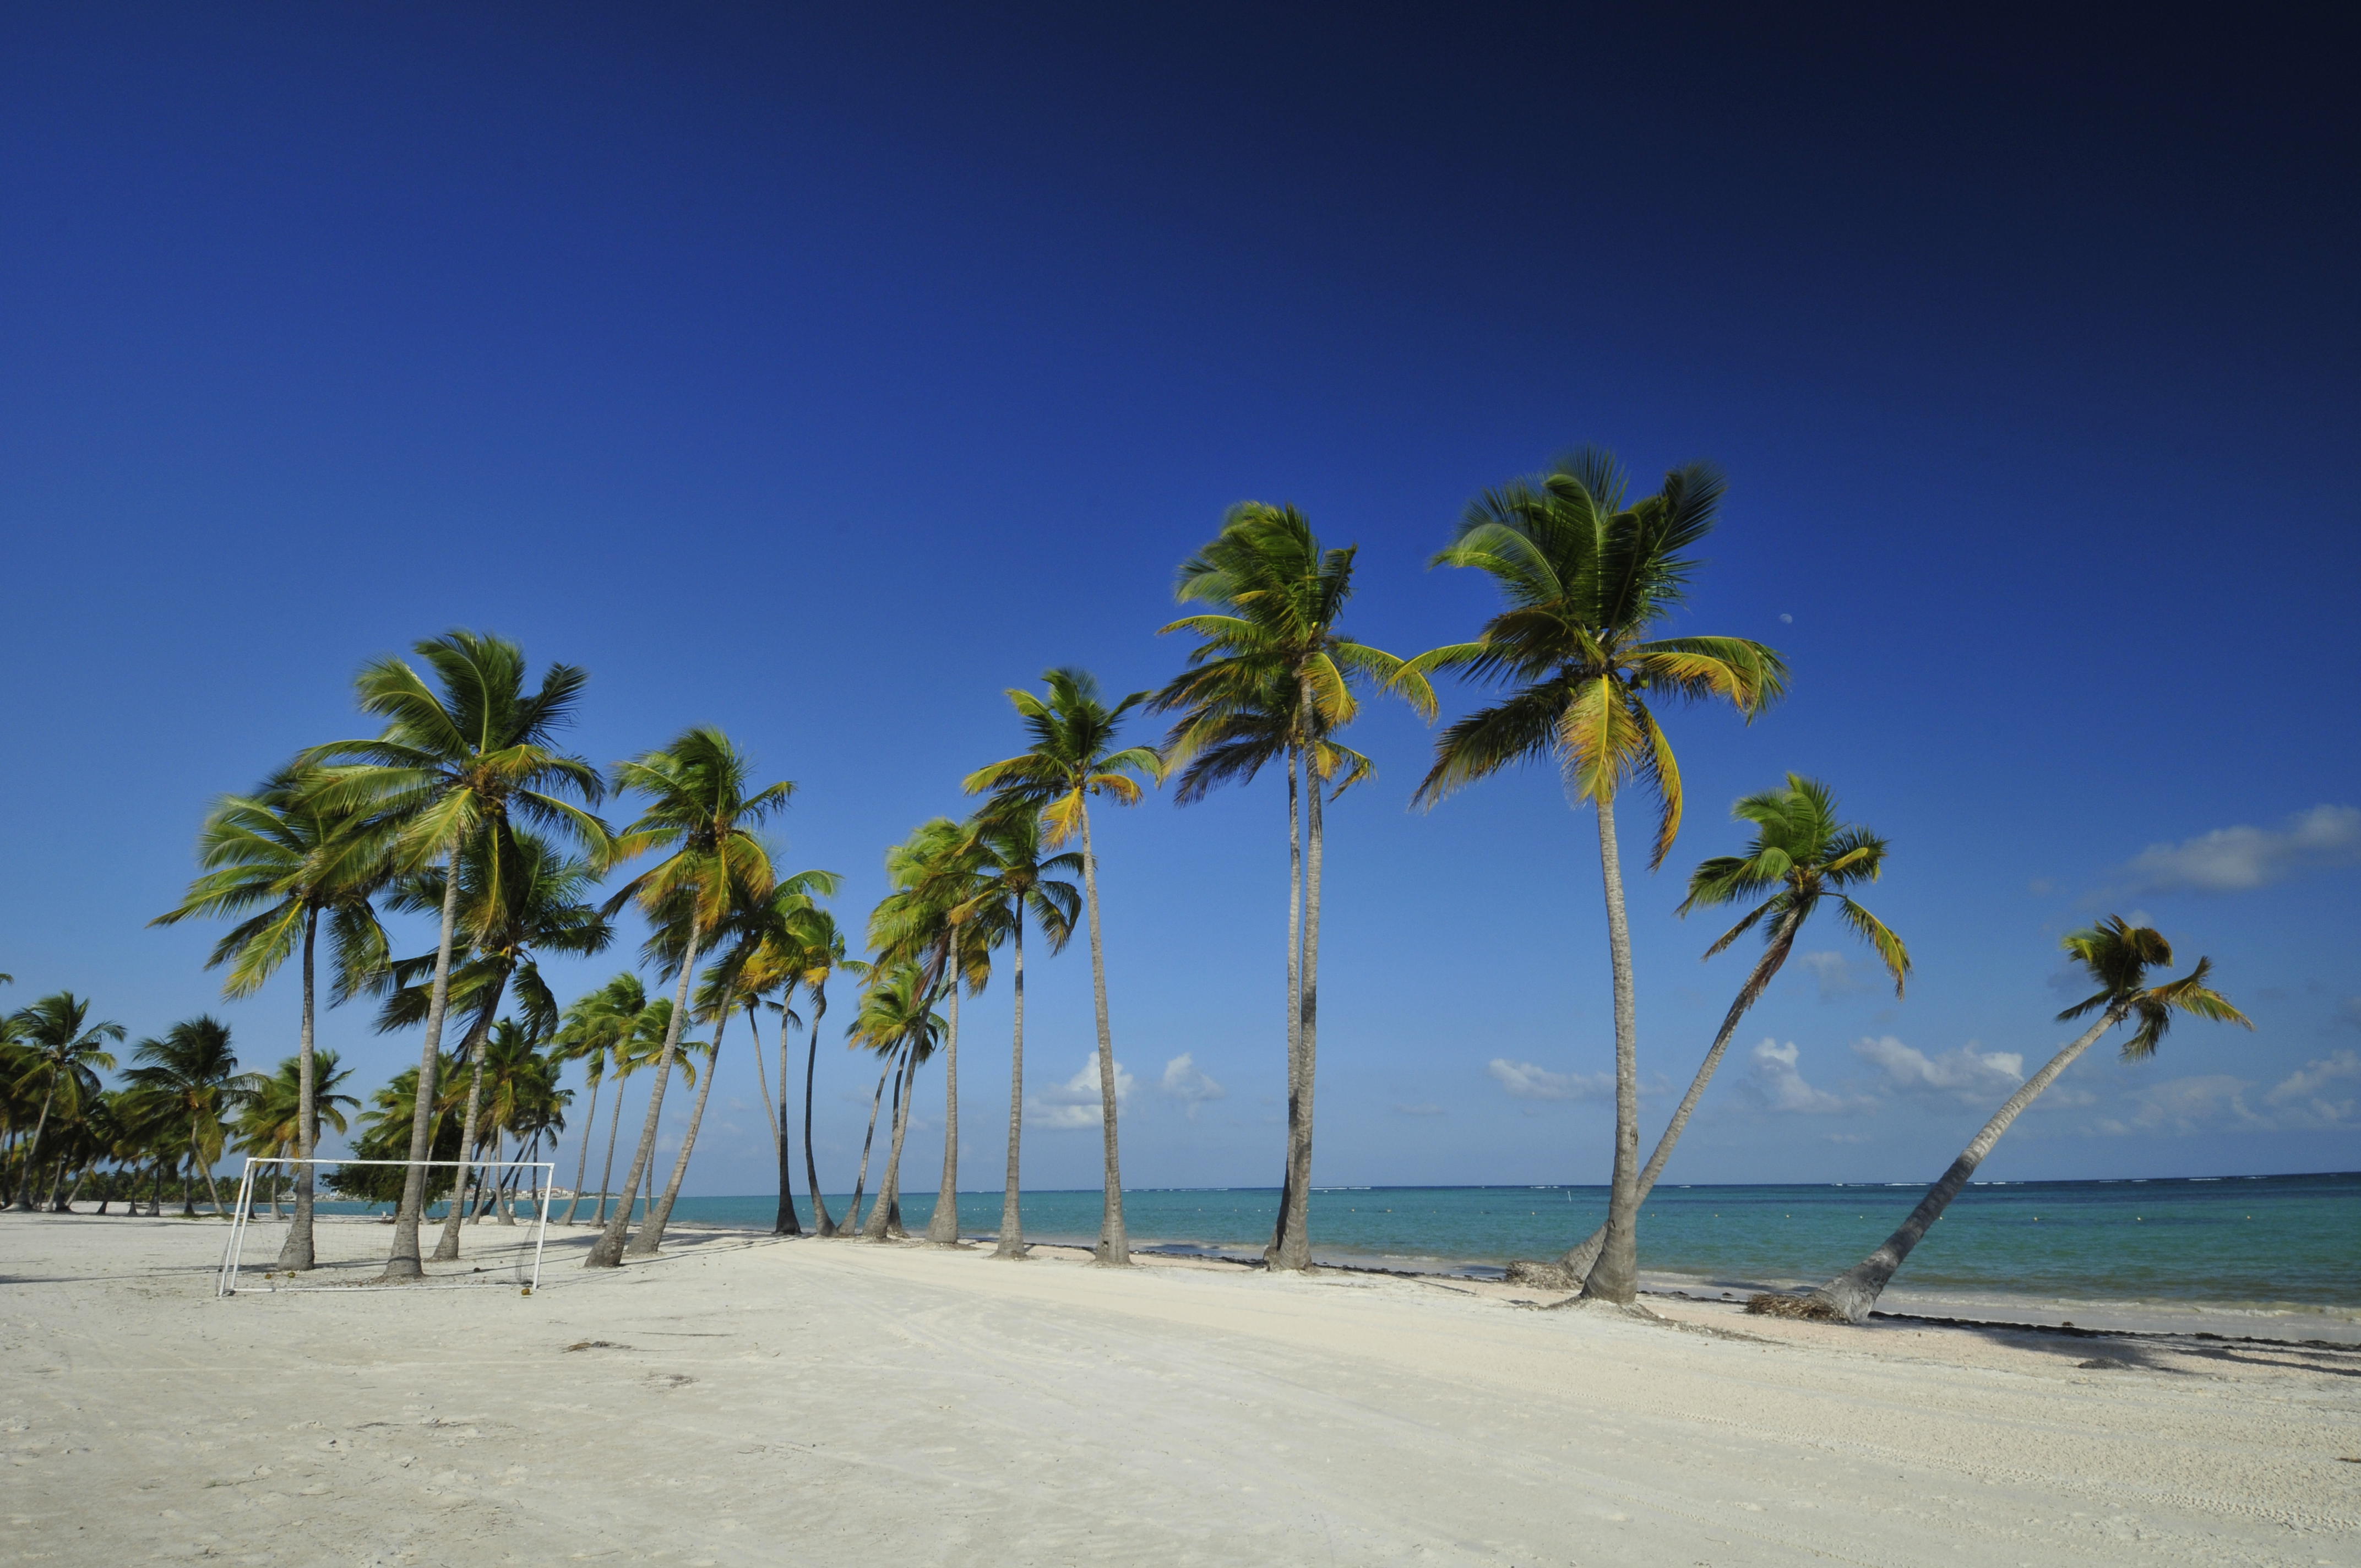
pixel 741 1400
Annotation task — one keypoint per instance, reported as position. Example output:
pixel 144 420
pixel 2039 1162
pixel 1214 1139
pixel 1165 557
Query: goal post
pixel 501 1236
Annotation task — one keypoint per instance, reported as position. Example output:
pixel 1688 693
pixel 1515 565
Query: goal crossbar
pixel 255 1165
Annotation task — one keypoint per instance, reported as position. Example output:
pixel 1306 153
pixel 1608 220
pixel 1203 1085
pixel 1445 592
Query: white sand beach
pixel 741 1400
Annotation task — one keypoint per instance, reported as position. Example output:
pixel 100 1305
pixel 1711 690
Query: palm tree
pixel 1586 577
pixel 450 766
pixel 928 920
pixel 640 1047
pixel 592 1033
pixel 1072 758
pixel 698 807
pixel 280 1116
pixel 519 897
pixel 1800 854
pixel 897 1021
pixel 1014 881
pixel 2117 956
pixel 765 956
pixel 1272 678
pixel 193 1072
pixel 282 856
pixel 63 1053
pixel 818 954
pixel 519 1096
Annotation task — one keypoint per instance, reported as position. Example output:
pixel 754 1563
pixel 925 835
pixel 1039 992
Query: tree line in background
pixel 463 807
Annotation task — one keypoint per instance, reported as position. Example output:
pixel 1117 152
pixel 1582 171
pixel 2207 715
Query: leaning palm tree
pixel 520 897
pixel 1800 854
pixel 1073 756
pixel 1017 880
pixel 1273 678
pixel 897 1020
pixel 193 1072
pixel 2117 956
pixel 62 1053
pixel 283 858
pixel 698 807
pixel 453 765
pixel 1587 574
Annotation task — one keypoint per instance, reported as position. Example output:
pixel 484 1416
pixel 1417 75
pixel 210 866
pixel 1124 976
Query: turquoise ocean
pixel 2268 1240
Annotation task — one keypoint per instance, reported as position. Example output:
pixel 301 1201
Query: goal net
pixel 501 1230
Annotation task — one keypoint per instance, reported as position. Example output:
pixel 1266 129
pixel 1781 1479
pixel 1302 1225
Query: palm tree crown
pixel 2118 954
pixel 1800 854
pixel 1588 576
pixel 1074 755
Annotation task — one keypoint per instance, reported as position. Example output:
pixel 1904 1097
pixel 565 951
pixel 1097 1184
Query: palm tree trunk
pixel 187 1188
pixel 885 1214
pixel 1012 1215
pixel 26 1172
pixel 822 1223
pixel 614 1120
pixel 1278 1247
pixel 1577 1262
pixel 942 1227
pixel 1115 1245
pixel 212 1187
pixel 606 1252
pixel 590 1130
pixel 1616 1276
pixel 651 1234
pixel 296 1251
pixel 861 1183
pixel 1297 1251
pixel 402 1264
pixel 446 1249
pixel 787 1222
pixel 1852 1295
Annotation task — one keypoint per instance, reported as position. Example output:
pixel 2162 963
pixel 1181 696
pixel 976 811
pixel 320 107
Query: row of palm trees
pixel 464 806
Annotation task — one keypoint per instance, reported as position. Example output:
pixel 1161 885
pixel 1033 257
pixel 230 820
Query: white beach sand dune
pixel 743 1400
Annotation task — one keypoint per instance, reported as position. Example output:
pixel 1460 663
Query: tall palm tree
pixel 281 1115
pixel 193 1072
pixel 519 1096
pixel 638 1049
pixel 929 920
pixel 1073 756
pixel 600 1029
pixel 698 807
pixel 897 1021
pixel 1016 881
pixel 453 764
pixel 63 1053
pixel 520 896
pixel 1587 574
pixel 283 857
pixel 1272 678
pixel 1801 854
pixel 586 1034
pixel 2117 956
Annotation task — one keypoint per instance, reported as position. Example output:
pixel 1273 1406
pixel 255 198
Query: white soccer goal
pixel 500 1238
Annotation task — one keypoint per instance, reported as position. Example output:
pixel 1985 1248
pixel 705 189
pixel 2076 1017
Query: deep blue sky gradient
pixel 821 377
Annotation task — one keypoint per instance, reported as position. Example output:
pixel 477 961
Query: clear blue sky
pixel 821 378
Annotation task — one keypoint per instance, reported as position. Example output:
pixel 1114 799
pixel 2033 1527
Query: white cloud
pixel 1075 1103
pixel 1427 1109
pixel 1835 974
pixel 1183 1080
pixel 1524 1080
pixel 1968 1074
pixel 2189 1105
pixel 1778 1085
pixel 2302 1094
pixel 2234 860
